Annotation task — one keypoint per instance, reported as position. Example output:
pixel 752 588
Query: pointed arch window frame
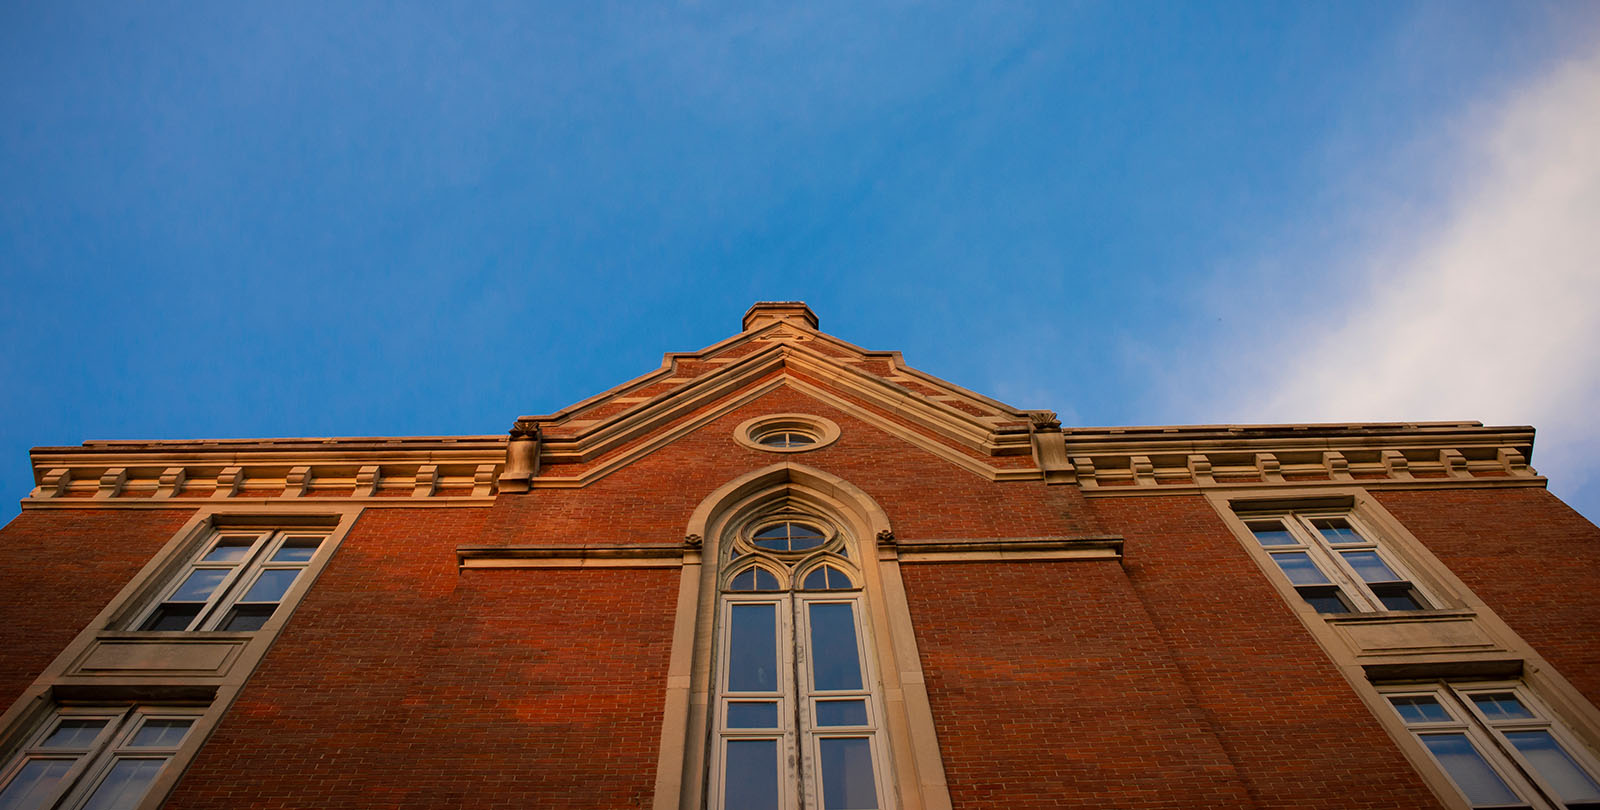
pixel 915 774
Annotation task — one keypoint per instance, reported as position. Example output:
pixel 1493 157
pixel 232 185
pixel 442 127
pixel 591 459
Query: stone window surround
pixel 105 665
pixel 93 762
pixel 822 431
pixel 1455 696
pixel 1360 596
pixel 916 769
pixel 1510 657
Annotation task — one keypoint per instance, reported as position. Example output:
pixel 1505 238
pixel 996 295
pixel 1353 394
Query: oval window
pixel 788 535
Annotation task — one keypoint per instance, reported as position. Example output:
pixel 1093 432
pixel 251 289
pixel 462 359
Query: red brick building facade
pixel 788 572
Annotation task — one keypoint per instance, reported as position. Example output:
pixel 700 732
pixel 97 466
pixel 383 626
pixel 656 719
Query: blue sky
pixel 226 220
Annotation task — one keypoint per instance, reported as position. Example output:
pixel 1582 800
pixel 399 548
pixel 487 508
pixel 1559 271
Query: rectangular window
pixel 94 757
pixel 235 581
pixel 1335 565
pixel 1499 747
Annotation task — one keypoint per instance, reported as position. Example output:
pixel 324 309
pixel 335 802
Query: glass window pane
pixel 34 784
pixel 296 551
pixel 1299 567
pixel 835 660
pixel 1337 530
pixel 199 585
pixel 1272 534
pixel 1467 769
pixel 765 581
pixel 1420 709
pixel 753 649
pixel 1555 765
pixel 171 617
pixel 743 581
pixel 248 617
pixel 817 580
pixel 777 530
pixel 847 782
pixel 125 785
pixel 804 542
pixel 164 733
pixel 74 733
pixel 1369 566
pixel 751 775
pixel 1400 599
pixel 232 549
pixel 753 715
pixel 1502 706
pixel 837 580
pixel 271 585
pixel 841 712
pixel 804 530
pixel 1324 601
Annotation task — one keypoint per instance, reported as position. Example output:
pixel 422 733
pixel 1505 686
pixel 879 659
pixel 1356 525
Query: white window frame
pixel 1355 592
pixel 92 763
pixel 264 544
pixel 1488 736
pixel 798 736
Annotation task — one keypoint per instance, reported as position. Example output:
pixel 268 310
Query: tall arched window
pixel 797 716
pixel 794 680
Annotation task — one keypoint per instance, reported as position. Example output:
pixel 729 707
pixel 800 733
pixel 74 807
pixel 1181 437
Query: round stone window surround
pixel 823 432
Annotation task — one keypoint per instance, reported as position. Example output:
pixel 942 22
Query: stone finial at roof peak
pixel 765 312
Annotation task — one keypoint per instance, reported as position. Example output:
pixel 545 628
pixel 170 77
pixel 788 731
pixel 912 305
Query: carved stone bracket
pixel 522 456
pixel 692 540
pixel 426 482
pixel 111 482
pixel 298 482
pixel 1044 420
pixel 228 482
pixel 170 482
pixel 886 538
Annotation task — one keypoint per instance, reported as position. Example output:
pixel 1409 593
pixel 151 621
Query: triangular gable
pixel 777 349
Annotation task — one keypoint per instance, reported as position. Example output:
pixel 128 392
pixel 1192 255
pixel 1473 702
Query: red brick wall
pixel 401 683
pixel 1052 689
pixel 58 569
pixel 1533 559
pixel 1293 728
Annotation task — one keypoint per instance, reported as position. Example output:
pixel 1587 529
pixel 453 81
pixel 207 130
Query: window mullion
pixel 804 755
pixel 226 592
pixel 1334 566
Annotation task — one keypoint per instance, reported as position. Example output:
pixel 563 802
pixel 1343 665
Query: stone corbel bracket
pixel 1050 448
pixel 522 456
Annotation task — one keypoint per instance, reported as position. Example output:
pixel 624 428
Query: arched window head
pixel 754 578
pixel 826 578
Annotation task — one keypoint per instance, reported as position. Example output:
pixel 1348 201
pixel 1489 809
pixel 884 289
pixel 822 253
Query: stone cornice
pixel 178 474
pixel 1104 462
pixel 1144 460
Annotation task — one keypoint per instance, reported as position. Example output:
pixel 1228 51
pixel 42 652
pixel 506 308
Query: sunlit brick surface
pixel 1533 559
pixel 58 570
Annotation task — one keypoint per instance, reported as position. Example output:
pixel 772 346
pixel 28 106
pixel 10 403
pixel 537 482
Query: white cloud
pixel 1490 311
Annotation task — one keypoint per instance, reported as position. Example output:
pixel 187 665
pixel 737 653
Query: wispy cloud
pixel 1489 308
